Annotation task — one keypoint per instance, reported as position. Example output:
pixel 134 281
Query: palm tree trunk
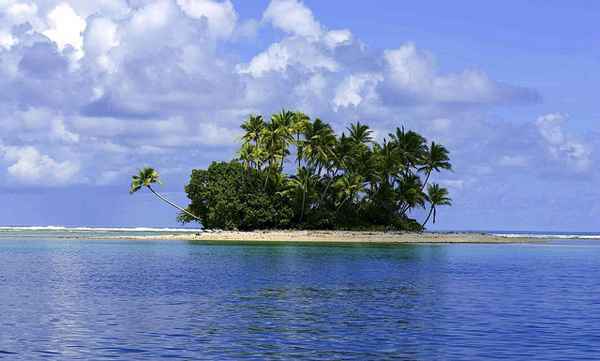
pixel 267 171
pixel 341 204
pixel 428 216
pixel 283 148
pixel 327 186
pixel 298 150
pixel 404 208
pixel 426 180
pixel 304 190
pixel 173 204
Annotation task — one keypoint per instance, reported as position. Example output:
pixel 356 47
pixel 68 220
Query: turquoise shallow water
pixel 83 299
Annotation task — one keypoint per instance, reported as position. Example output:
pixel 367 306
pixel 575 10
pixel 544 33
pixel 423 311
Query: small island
pixel 341 182
pixel 345 188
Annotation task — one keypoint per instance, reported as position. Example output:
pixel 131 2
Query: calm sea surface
pixel 84 299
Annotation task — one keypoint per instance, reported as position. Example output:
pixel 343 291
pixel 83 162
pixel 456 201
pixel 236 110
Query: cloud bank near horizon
pixel 89 92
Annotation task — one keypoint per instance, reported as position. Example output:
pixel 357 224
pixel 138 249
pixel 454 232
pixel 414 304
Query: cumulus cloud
pixel 412 74
pixel 90 88
pixel 221 16
pixel 355 88
pixel 561 146
pixel 290 52
pixel 309 44
pixel 13 13
pixel 293 17
pixel 65 28
pixel 27 165
pixel 100 37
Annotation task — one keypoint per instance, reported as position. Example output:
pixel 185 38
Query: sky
pixel 90 91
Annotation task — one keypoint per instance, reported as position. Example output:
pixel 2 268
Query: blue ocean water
pixel 69 299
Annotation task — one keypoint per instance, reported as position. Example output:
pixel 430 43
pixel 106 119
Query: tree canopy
pixel 345 181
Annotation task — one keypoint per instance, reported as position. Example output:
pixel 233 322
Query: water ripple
pixel 174 300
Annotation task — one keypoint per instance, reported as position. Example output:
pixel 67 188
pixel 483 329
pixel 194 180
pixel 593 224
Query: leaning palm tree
pixel 437 196
pixel 145 178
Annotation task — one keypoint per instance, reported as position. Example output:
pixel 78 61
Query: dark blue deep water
pixel 100 300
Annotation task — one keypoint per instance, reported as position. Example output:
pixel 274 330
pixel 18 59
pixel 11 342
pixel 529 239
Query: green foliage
pixel 145 177
pixel 341 182
pixel 228 196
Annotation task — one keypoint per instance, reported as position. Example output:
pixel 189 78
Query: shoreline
pixel 367 237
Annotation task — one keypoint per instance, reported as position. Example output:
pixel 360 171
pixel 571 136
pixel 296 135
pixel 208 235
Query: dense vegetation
pixel 346 181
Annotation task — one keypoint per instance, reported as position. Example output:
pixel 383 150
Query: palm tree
pixel 387 162
pixel 300 123
pixel 410 146
pixel 283 127
pixel 253 127
pixel 145 178
pixel 276 136
pixel 302 185
pixel 348 188
pixel 246 155
pixel 435 158
pixel 437 196
pixel 360 133
pixel 319 145
pixel 251 141
pixel 410 193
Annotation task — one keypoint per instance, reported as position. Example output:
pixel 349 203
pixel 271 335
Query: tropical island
pixel 341 182
pixel 346 187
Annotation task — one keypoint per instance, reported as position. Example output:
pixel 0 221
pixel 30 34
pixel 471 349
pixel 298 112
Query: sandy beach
pixel 338 237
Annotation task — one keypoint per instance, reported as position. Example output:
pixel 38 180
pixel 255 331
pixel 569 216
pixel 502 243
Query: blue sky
pixel 90 91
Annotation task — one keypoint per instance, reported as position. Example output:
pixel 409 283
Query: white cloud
pixel 550 127
pixel 38 125
pixel 410 69
pixel 153 16
pixel 16 13
pixel 166 77
pixel 221 16
pixel 21 10
pixel 335 38
pixel 7 40
pixel 561 146
pixel 290 52
pixel 29 166
pixel 59 131
pixel 65 27
pixel 101 36
pixel 413 73
pixel 293 17
pixel 354 89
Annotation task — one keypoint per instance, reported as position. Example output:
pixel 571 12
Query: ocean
pixel 67 294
